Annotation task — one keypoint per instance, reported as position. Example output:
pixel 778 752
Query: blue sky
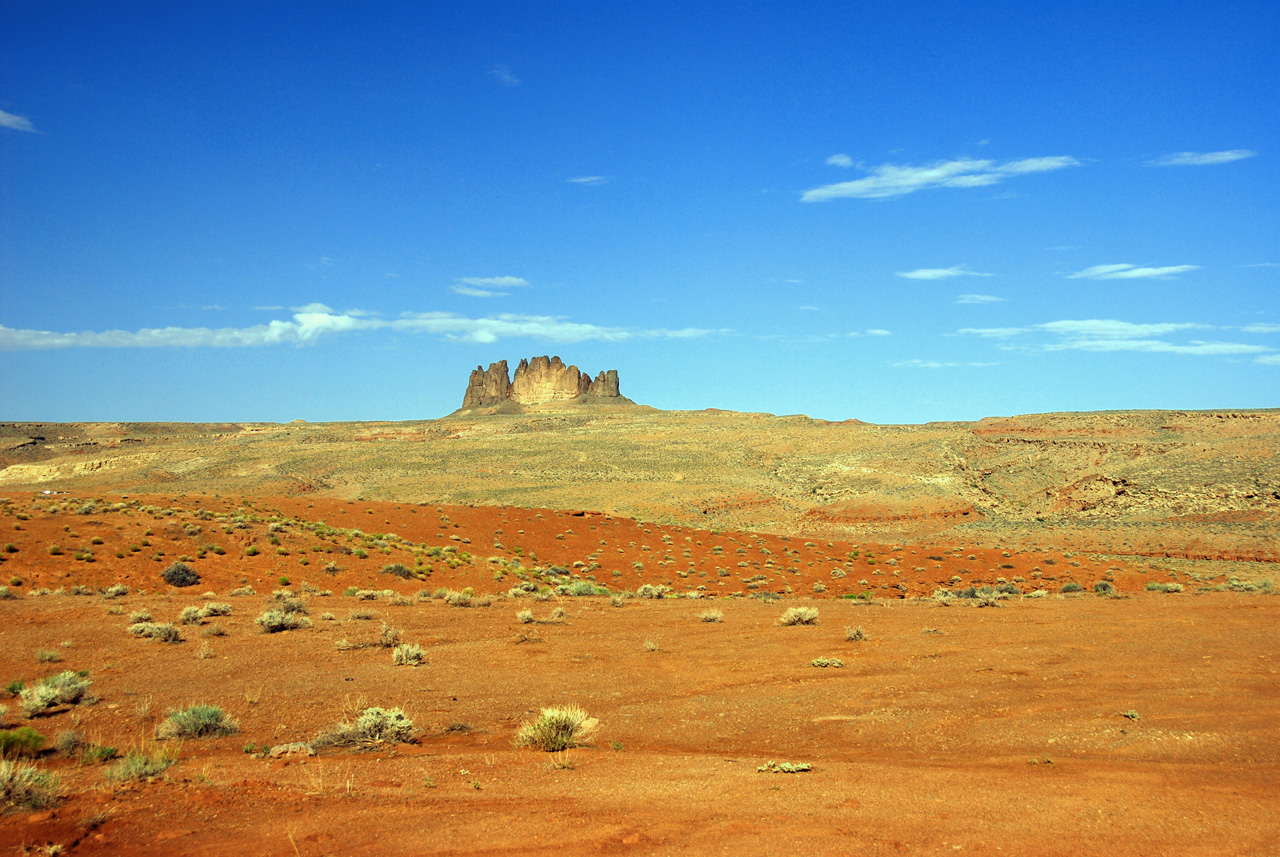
pixel 336 211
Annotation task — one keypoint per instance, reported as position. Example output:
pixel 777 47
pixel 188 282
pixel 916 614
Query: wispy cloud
pixel 1110 335
pixel 589 180
pixel 840 161
pixel 891 180
pixel 939 273
pixel 15 122
pixel 314 322
pixel 1262 265
pixel 503 75
pixel 935 364
pixel 1268 359
pixel 878 331
pixel 1129 272
pixel 472 292
pixel 1261 328
pixel 1201 159
pixel 500 282
pixel 978 299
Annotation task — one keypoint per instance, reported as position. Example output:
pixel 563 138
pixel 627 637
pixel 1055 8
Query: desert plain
pixel 1046 634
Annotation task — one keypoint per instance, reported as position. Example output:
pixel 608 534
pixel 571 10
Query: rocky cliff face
pixel 487 387
pixel 538 381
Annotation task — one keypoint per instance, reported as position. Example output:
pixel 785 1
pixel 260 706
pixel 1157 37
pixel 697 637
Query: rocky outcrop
pixel 488 387
pixel 539 381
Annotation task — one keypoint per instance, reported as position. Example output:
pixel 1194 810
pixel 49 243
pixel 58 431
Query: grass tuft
pixel 557 729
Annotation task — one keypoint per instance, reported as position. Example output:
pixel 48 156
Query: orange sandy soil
pixel 949 729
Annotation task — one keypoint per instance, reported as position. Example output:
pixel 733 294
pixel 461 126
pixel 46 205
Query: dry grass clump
pixel 165 632
pixel 408 655
pixel 799 616
pixel 855 635
pixel 275 621
pixel 141 765
pixel 710 616
pixel 197 721
pixel 372 727
pixel 557 729
pixel 24 786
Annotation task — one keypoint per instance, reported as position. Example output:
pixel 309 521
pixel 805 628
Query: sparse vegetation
pixel 196 721
pixel 855 635
pixel 372 728
pixel 799 616
pixel 408 654
pixel 65 688
pixel 141 765
pixel 557 729
pixel 180 574
pixel 165 632
pixel 23 741
pixel 24 786
pixel 275 621
pixel 827 662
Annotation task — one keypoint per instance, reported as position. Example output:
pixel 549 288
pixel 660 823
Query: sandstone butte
pixel 538 381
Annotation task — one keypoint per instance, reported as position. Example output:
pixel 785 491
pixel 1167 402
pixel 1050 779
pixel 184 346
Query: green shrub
pixel 23 741
pixel 116 590
pixel 799 616
pixel 827 662
pixel 1154 586
pixel 24 786
pixel 372 727
pixel 48 656
pixel 190 616
pixel 396 569
pixel 180 574
pixel 197 721
pixel 557 729
pixel 251 550
pixel 1104 587
pixel 1072 587
pixel 211 609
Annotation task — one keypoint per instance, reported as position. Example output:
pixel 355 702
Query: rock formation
pixel 539 381
pixel 491 387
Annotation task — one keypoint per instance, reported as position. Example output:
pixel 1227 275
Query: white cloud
pixel 472 292
pixel 1262 265
pixel 890 180
pixel 503 75
pixel 840 161
pixel 1129 272
pixel 877 331
pixel 501 282
pixel 978 299
pixel 589 180
pixel 808 308
pixel 1268 360
pixel 17 123
pixel 939 273
pixel 934 364
pixel 1110 335
pixel 315 321
pixel 993 332
pixel 1201 159
pixel 1261 328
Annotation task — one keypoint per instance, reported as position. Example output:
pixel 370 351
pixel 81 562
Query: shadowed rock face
pixel 537 381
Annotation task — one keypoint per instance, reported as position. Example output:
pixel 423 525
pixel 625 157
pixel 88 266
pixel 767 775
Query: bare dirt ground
pixel 1061 723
